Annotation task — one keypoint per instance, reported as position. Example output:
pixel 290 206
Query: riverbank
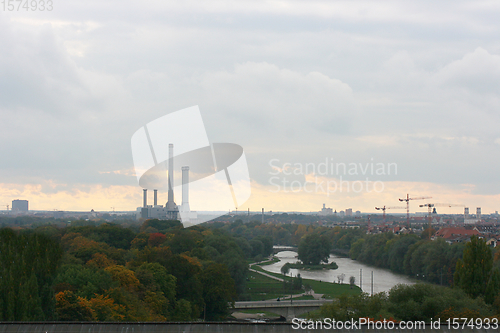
pixel 326 289
pixel 299 265
pixel 383 279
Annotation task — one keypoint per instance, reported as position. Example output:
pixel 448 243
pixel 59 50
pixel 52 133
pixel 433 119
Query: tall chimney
pixel 171 207
pixel 185 189
pixel 145 198
pixel 156 198
pixel 170 173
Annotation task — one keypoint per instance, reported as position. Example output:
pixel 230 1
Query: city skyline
pixel 415 85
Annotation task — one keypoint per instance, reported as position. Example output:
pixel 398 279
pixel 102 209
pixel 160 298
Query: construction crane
pixel 407 199
pixel 431 206
pixel 384 208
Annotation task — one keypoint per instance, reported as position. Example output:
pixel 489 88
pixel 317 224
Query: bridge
pixel 279 248
pixel 287 309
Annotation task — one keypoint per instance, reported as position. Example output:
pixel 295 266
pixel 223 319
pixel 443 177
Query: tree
pixel 285 269
pixel 189 286
pixel 125 277
pixel 257 247
pixel 307 288
pixel 156 239
pixel 218 291
pixel 473 271
pixel 493 287
pixel 352 281
pixel 28 264
pixel 314 249
pixel 104 309
pixel 70 307
pixel 84 281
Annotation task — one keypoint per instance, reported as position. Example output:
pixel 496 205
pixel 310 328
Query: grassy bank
pixel 330 290
pixel 272 261
pixel 260 288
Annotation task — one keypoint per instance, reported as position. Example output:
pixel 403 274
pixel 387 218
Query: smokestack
pixel 170 172
pixel 156 198
pixel 172 210
pixel 185 189
pixel 145 198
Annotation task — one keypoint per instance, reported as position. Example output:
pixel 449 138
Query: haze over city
pixel 410 87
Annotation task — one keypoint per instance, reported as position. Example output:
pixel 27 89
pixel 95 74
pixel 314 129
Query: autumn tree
pixel 156 239
pixel 104 308
pixel 70 307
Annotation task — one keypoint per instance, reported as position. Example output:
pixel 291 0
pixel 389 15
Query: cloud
pixel 477 72
pixel 278 101
pixel 410 83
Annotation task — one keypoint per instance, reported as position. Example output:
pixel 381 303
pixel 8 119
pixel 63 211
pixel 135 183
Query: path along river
pixel 383 279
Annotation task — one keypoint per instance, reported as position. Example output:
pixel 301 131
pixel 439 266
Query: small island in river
pixel 300 265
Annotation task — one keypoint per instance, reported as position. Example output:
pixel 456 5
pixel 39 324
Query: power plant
pixel 171 211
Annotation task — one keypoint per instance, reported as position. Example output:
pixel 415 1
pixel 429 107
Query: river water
pixel 383 279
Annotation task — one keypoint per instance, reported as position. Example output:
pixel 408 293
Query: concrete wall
pixel 197 327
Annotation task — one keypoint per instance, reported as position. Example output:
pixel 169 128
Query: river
pixel 383 279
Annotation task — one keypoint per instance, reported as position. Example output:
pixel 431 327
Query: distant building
pixel 452 235
pixel 348 212
pixel 20 206
pixel 325 211
pixel 358 213
pixel 58 214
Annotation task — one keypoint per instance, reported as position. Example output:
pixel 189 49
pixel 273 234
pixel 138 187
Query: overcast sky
pixel 415 84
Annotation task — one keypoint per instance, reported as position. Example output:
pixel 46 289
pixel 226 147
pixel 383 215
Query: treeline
pixel 430 261
pixel 421 302
pixel 153 272
pixel 28 265
pixel 476 293
pixel 282 234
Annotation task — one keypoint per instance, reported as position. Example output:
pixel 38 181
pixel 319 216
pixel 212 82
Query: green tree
pixel 218 291
pixel 493 287
pixel 352 281
pixel 314 249
pixel 285 269
pixel 473 271
pixel 84 281
pixel 398 251
pixel 28 264
pixel 189 286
